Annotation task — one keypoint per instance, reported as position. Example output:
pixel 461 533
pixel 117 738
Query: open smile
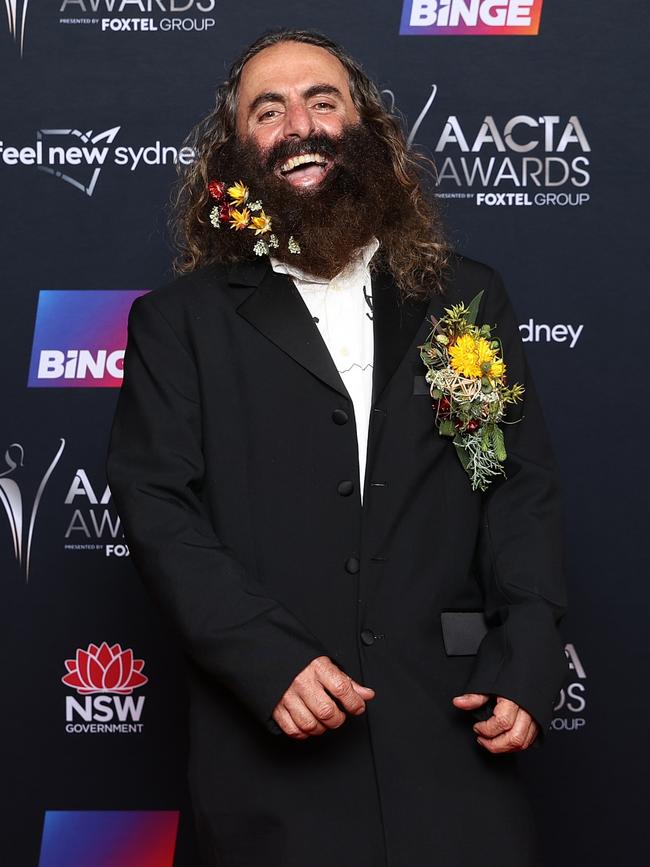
pixel 305 170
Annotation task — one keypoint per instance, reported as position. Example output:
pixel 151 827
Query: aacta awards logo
pixel 572 700
pixel 112 16
pixel 106 677
pixel 22 523
pixel 16 15
pixel 523 160
pixel 93 525
pixel 471 17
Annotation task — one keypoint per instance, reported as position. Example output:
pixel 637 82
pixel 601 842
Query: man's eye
pixel 269 114
pixel 324 105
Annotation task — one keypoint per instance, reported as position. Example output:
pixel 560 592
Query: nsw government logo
pixel 104 677
pixel 80 338
pixel 471 17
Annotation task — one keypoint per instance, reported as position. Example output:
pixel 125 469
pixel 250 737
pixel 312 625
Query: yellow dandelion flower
pixel 497 368
pixel 261 223
pixel 469 354
pixel 239 219
pixel 238 193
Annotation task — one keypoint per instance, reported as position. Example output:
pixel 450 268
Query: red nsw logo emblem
pixel 104 669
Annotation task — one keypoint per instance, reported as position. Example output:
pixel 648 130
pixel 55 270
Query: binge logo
pixel 128 838
pixel 471 17
pixel 80 338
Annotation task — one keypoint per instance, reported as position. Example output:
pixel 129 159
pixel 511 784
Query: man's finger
pixel 288 726
pixel 502 719
pixel 302 715
pixel 532 734
pixel 470 701
pixel 512 740
pixel 325 709
pixel 366 692
pixel 339 686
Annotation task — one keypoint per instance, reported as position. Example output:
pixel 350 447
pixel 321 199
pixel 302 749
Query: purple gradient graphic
pixel 142 838
pixel 80 337
pixel 470 17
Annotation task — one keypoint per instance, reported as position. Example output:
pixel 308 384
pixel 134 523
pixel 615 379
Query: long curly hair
pixel 417 256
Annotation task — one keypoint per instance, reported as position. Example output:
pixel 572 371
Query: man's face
pixel 288 93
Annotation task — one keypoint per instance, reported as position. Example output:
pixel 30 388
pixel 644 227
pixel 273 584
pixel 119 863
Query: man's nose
pixel 298 122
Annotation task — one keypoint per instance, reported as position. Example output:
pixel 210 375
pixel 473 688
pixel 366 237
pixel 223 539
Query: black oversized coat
pixel 232 436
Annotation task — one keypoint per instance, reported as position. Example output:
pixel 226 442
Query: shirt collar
pixel 360 260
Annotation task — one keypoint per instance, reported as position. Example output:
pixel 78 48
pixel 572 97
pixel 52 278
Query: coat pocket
pixel 463 631
pixel 420 385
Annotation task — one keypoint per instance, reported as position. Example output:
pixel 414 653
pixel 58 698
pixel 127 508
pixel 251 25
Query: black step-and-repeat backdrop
pixel 535 112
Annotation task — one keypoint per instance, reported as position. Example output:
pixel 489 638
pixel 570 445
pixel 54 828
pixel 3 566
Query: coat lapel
pixel 278 312
pixel 395 324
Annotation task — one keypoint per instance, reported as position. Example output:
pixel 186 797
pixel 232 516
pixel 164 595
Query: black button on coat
pixel 224 463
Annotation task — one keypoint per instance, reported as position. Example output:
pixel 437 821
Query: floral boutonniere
pixel 467 378
pixel 233 207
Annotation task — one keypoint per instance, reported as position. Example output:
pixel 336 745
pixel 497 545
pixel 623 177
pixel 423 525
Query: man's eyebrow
pixel 268 96
pixel 314 90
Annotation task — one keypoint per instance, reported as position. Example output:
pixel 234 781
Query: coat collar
pixel 276 309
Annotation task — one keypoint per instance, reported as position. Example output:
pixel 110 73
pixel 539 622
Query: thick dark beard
pixel 358 199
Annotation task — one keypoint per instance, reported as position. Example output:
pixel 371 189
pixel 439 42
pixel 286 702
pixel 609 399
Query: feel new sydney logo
pixel 78 156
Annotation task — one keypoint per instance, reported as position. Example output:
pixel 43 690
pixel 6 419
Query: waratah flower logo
pixel 104 669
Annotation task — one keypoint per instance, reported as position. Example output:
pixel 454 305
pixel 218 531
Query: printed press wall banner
pixel 12 497
pixel 128 838
pixel 104 676
pixel 572 700
pixel 471 17
pixel 526 159
pixel 80 338
pixel 77 156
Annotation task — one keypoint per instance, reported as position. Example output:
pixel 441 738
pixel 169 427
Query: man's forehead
pixel 290 65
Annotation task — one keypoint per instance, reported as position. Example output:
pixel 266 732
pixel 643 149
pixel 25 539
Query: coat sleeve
pixel 520 545
pixel 246 641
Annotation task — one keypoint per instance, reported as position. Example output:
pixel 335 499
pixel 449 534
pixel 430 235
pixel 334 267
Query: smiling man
pixel 371 638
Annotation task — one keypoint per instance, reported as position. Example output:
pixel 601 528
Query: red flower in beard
pixel 104 669
pixel 217 189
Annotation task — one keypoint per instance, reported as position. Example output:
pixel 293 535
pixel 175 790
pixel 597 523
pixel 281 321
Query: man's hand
pixel 308 706
pixel 509 729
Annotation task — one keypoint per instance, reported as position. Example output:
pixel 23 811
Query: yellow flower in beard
pixel 239 219
pixel 238 193
pixel 261 223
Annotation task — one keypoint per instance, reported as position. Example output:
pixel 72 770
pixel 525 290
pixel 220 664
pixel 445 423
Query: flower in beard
pixel 261 223
pixel 238 193
pixel 242 217
pixel 326 223
pixel 239 219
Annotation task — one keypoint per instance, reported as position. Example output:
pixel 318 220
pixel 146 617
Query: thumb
pixel 470 701
pixel 365 692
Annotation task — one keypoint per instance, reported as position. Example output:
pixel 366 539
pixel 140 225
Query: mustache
pixel 284 150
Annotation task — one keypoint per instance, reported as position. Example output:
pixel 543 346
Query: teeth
pixel 304 158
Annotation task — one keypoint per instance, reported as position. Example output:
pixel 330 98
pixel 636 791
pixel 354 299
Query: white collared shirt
pixel 343 316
